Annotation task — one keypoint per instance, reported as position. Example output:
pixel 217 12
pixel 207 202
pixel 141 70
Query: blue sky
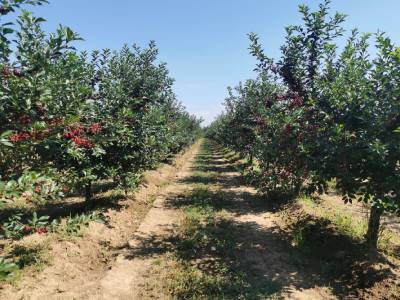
pixel 204 42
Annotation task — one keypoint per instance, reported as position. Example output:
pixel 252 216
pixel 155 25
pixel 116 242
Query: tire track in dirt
pixel 128 275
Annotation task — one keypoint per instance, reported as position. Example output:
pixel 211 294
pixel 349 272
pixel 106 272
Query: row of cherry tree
pixel 322 112
pixel 69 118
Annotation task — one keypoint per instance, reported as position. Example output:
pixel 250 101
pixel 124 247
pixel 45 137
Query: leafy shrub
pixel 6 268
pixel 16 227
pixel 75 224
pixel 31 186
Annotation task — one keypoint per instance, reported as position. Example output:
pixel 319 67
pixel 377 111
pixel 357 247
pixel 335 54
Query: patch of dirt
pixel 80 267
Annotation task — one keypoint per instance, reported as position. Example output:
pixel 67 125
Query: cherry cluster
pixel 39 230
pixel 82 142
pixel 21 136
pixel 75 133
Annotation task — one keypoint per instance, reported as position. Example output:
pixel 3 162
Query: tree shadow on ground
pixel 68 207
pixel 266 256
pixel 311 254
pixel 213 249
pixel 214 168
pixel 320 256
pixel 156 244
pixel 344 263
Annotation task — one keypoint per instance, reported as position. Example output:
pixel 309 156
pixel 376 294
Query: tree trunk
pixel 88 192
pixel 373 226
pixel 125 186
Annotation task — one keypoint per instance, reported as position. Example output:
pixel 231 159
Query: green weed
pixel 75 225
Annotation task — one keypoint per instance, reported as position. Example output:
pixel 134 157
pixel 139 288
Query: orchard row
pixel 68 118
pixel 323 111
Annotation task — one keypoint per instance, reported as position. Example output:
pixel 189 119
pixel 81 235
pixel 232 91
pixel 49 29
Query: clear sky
pixel 204 42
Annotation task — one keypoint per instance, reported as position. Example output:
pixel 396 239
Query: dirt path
pixel 128 275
